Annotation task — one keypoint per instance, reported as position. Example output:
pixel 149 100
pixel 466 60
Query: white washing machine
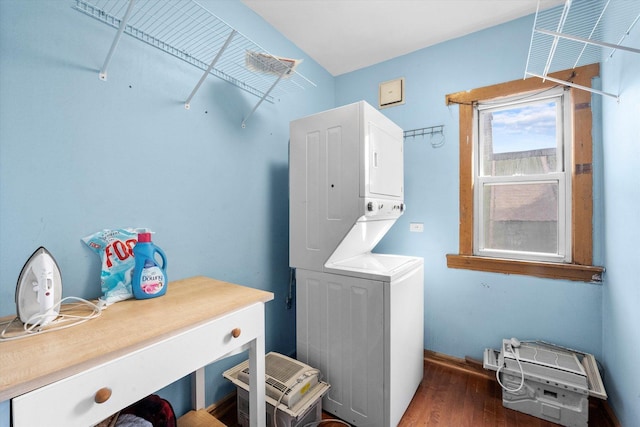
pixel 363 328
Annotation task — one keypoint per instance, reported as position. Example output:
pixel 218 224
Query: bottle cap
pixel 144 237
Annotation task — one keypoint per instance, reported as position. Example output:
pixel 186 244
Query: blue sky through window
pixel 529 127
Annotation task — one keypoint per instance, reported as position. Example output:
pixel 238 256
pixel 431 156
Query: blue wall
pixel 621 299
pixel 78 155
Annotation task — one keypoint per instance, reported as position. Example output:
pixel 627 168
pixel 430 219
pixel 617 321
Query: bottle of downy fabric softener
pixel 149 278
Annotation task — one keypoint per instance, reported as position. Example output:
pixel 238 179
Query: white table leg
pixel 197 389
pixel 257 406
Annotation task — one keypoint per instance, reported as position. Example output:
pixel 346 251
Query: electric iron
pixel 39 289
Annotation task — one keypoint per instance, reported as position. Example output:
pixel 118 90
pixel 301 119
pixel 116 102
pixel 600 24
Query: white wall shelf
pixel 188 31
pixel 580 32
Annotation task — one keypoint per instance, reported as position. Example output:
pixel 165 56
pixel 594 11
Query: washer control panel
pixel 383 208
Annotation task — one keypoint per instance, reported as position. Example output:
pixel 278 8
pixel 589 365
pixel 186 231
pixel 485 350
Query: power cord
pixel 510 347
pixel 328 420
pixel 292 284
pixel 68 316
pixel 299 380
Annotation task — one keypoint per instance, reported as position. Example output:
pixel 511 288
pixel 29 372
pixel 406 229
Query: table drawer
pixel 71 401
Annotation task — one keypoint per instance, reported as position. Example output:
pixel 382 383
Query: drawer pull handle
pixel 102 395
pixel 236 332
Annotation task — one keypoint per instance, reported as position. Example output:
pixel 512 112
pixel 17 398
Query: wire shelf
pixel 580 32
pixel 188 31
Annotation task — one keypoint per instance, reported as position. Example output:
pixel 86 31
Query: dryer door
pixel 386 171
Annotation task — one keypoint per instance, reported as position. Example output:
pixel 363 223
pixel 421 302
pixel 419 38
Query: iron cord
pixel 74 312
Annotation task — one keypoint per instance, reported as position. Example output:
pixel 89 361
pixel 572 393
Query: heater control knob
pixel 370 206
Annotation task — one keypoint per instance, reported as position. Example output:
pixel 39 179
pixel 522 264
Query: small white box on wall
pixel 391 93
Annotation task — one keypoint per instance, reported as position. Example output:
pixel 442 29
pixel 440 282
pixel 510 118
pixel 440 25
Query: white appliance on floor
pixel 359 314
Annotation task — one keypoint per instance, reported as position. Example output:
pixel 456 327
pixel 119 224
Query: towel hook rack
pixel 431 131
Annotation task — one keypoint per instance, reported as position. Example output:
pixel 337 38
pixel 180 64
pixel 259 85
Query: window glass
pixel 519 139
pixel 521 217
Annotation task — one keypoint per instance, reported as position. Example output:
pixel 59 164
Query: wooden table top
pixel 29 363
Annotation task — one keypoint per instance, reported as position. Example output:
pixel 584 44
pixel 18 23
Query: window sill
pixel 549 270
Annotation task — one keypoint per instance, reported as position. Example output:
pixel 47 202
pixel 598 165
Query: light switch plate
pixel 391 93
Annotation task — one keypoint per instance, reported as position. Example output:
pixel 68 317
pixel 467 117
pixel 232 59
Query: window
pixel 522 197
pixel 526 192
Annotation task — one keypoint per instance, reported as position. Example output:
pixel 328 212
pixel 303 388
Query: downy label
pixel 151 280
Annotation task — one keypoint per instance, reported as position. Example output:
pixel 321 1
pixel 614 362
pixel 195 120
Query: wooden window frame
pixel 580 269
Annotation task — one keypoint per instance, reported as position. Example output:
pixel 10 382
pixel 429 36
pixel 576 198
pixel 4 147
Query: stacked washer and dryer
pixel 359 314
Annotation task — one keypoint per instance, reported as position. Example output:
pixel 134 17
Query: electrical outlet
pixel 416 227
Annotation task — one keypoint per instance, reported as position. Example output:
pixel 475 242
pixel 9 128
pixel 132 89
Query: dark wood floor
pixel 453 395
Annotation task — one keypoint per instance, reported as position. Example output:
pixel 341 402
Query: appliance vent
pixel 287 380
pixel 280 368
pixel 278 386
pixel 280 372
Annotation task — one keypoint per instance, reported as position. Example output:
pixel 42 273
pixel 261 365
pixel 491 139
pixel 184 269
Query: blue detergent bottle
pixel 149 278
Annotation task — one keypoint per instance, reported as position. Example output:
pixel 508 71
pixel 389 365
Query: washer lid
pixel 375 266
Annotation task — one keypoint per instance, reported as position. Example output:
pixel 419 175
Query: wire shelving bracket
pixel 579 32
pixel 188 31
